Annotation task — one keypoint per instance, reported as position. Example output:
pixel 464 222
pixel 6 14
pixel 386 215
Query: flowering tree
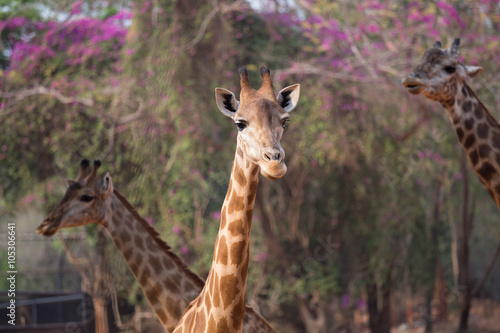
pixel 373 172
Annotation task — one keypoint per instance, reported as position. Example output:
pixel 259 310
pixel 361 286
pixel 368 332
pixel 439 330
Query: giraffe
pixel 260 118
pixel 441 77
pixel 164 278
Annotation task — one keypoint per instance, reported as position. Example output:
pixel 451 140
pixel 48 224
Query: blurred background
pixel 379 225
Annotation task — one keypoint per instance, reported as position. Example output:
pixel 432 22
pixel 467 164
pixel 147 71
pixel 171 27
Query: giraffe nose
pixel 270 155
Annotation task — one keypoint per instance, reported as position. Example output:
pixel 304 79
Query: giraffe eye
pixel 450 69
pixel 86 198
pixel 241 126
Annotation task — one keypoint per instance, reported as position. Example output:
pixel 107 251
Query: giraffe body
pixel 260 117
pixel 441 77
pixel 164 278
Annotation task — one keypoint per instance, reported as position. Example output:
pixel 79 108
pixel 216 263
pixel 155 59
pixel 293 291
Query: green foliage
pixel 364 159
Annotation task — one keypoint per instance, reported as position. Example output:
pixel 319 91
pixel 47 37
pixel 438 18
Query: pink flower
pixel 176 229
pixel 184 250
pixel 150 220
pixel 262 256
pixel 77 8
pixel 215 215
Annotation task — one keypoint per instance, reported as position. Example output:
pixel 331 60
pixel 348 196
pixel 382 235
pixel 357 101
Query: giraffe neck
pixel 163 276
pixel 479 135
pixel 221 305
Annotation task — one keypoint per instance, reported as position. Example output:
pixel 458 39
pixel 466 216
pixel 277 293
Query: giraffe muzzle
pixel 47 228
pixel 413 85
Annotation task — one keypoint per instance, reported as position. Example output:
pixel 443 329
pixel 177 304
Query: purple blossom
pixel 184 250
pixel 215 215
pixel 345 301
pixel 77 8
pixel 176 230
pixel 262 256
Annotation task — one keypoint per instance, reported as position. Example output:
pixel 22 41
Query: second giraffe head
pixel 260 117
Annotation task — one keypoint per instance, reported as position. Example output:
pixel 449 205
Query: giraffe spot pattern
pixel 139 243
pixel 237 252
pixel 467 106
pixel 127 254
pixel 464 92
pixel 484 150
pixel 157 289
pixel 208 304
pixel 151 247
pixel 200 321
pixel 223 217
pixel 474 157
pixel 134 268
pixel 167 263
pixel 478 113
pixel 482 131
pixel 222 251
pixel 216 287
pixel 171 285
pixel 486 171
pixel 469 141
pixel 155 264
pixel 239 175
pixel 497 158
pixel 144 276
pixel 236 203
pixel 469 123
pixel 162 315
pixel 125 237
pixel 222 325
pixel 236 227
pixel 495 140
pixel 188 286
pixel 119 214
pixel 152 296
pixel 244 268
pixel 231 290
pixel 239 313
pixel 173 307
pixel 212 326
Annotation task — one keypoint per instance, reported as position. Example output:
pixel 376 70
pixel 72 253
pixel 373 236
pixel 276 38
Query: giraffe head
pixel 83 203
pixel 260 117
pixel 439 74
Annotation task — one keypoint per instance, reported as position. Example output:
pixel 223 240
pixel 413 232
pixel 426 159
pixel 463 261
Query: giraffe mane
pixel 160 242
pixel 488 114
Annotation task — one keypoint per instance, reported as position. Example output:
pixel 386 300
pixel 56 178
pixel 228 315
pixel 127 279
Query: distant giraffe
pixel 441 77
pixel 164 278
pixel 260 118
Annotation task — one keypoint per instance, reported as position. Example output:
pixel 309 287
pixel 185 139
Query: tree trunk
pixel 101 315
pixel 379 313
pixel 464 265
pixel 315 321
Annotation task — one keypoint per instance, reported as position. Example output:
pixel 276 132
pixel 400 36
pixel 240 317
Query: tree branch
pixel 476 290
pixel 22 94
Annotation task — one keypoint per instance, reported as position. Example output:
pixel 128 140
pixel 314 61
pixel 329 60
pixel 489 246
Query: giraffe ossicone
pixel 260 117
pixel 441 77
pixel 164 278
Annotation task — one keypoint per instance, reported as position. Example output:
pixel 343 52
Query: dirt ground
pixel 484 318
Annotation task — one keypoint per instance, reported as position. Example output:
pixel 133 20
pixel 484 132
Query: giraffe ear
pixel 289 97
pixel 69 182
pixel 473 71
pixel 107 186
pixel 226 102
